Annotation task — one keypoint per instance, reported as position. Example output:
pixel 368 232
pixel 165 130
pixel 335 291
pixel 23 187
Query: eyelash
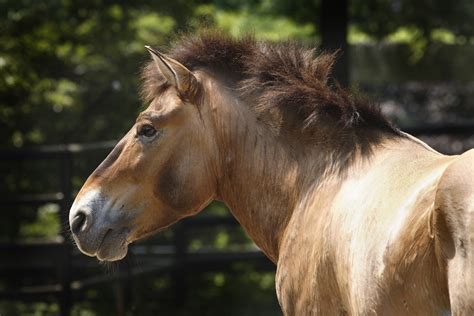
pixel 147 129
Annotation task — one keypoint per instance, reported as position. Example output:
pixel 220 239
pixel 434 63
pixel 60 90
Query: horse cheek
pixel 175 190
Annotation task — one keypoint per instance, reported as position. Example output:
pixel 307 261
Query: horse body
pixel 363 245
pixel 359 218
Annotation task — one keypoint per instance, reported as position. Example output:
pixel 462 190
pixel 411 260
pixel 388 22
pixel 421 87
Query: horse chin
pixel 114 246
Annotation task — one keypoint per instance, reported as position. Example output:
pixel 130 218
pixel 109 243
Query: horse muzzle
pixel 98 226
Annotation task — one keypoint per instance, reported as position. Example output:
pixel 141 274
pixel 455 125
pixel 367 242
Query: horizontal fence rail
pixel 58 256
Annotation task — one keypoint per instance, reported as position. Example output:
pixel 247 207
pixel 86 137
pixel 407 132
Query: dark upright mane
pixel 285 83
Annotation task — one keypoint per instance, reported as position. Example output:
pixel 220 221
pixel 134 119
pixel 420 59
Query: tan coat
pixel 359 218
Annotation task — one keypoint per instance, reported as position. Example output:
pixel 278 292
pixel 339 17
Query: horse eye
pixel 146 130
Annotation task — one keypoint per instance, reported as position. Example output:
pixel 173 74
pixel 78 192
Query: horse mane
pixel 287 85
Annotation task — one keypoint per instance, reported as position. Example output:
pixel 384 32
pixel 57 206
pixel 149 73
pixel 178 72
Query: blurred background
pixel 68 90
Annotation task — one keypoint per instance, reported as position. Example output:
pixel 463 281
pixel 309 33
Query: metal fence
pixel 61 259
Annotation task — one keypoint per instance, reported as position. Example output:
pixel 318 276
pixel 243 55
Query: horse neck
pixel 259 177
pixel 263 177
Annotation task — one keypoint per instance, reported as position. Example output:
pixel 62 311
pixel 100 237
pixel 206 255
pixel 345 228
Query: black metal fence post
pixel 334 23
pixel 65 297
pixel 181 247
pixel 123 287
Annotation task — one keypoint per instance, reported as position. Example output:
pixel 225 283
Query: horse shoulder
pixel 306 279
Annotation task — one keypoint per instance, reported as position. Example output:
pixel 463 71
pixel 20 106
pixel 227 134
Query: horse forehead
pixel 164 100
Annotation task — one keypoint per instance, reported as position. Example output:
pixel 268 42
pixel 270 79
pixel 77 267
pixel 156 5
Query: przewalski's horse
pixel 359 218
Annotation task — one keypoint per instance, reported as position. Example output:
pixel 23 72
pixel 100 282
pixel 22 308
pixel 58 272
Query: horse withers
pixel 359 218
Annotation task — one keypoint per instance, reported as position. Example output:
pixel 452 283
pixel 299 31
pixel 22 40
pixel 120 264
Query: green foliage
pixel 240 292
pixel 74 64
pixel 415 23
pixel 254 21
pixel 380 18
pixel 46 225
pixel 32 309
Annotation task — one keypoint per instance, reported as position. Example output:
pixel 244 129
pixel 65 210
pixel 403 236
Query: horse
pixel 359 217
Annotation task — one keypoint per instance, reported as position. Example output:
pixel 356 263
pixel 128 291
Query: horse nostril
pixel 78 222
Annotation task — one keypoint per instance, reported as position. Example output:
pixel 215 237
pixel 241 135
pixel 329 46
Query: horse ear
pixel 174 72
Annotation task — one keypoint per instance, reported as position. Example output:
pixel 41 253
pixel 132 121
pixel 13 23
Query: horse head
pixel 159 172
